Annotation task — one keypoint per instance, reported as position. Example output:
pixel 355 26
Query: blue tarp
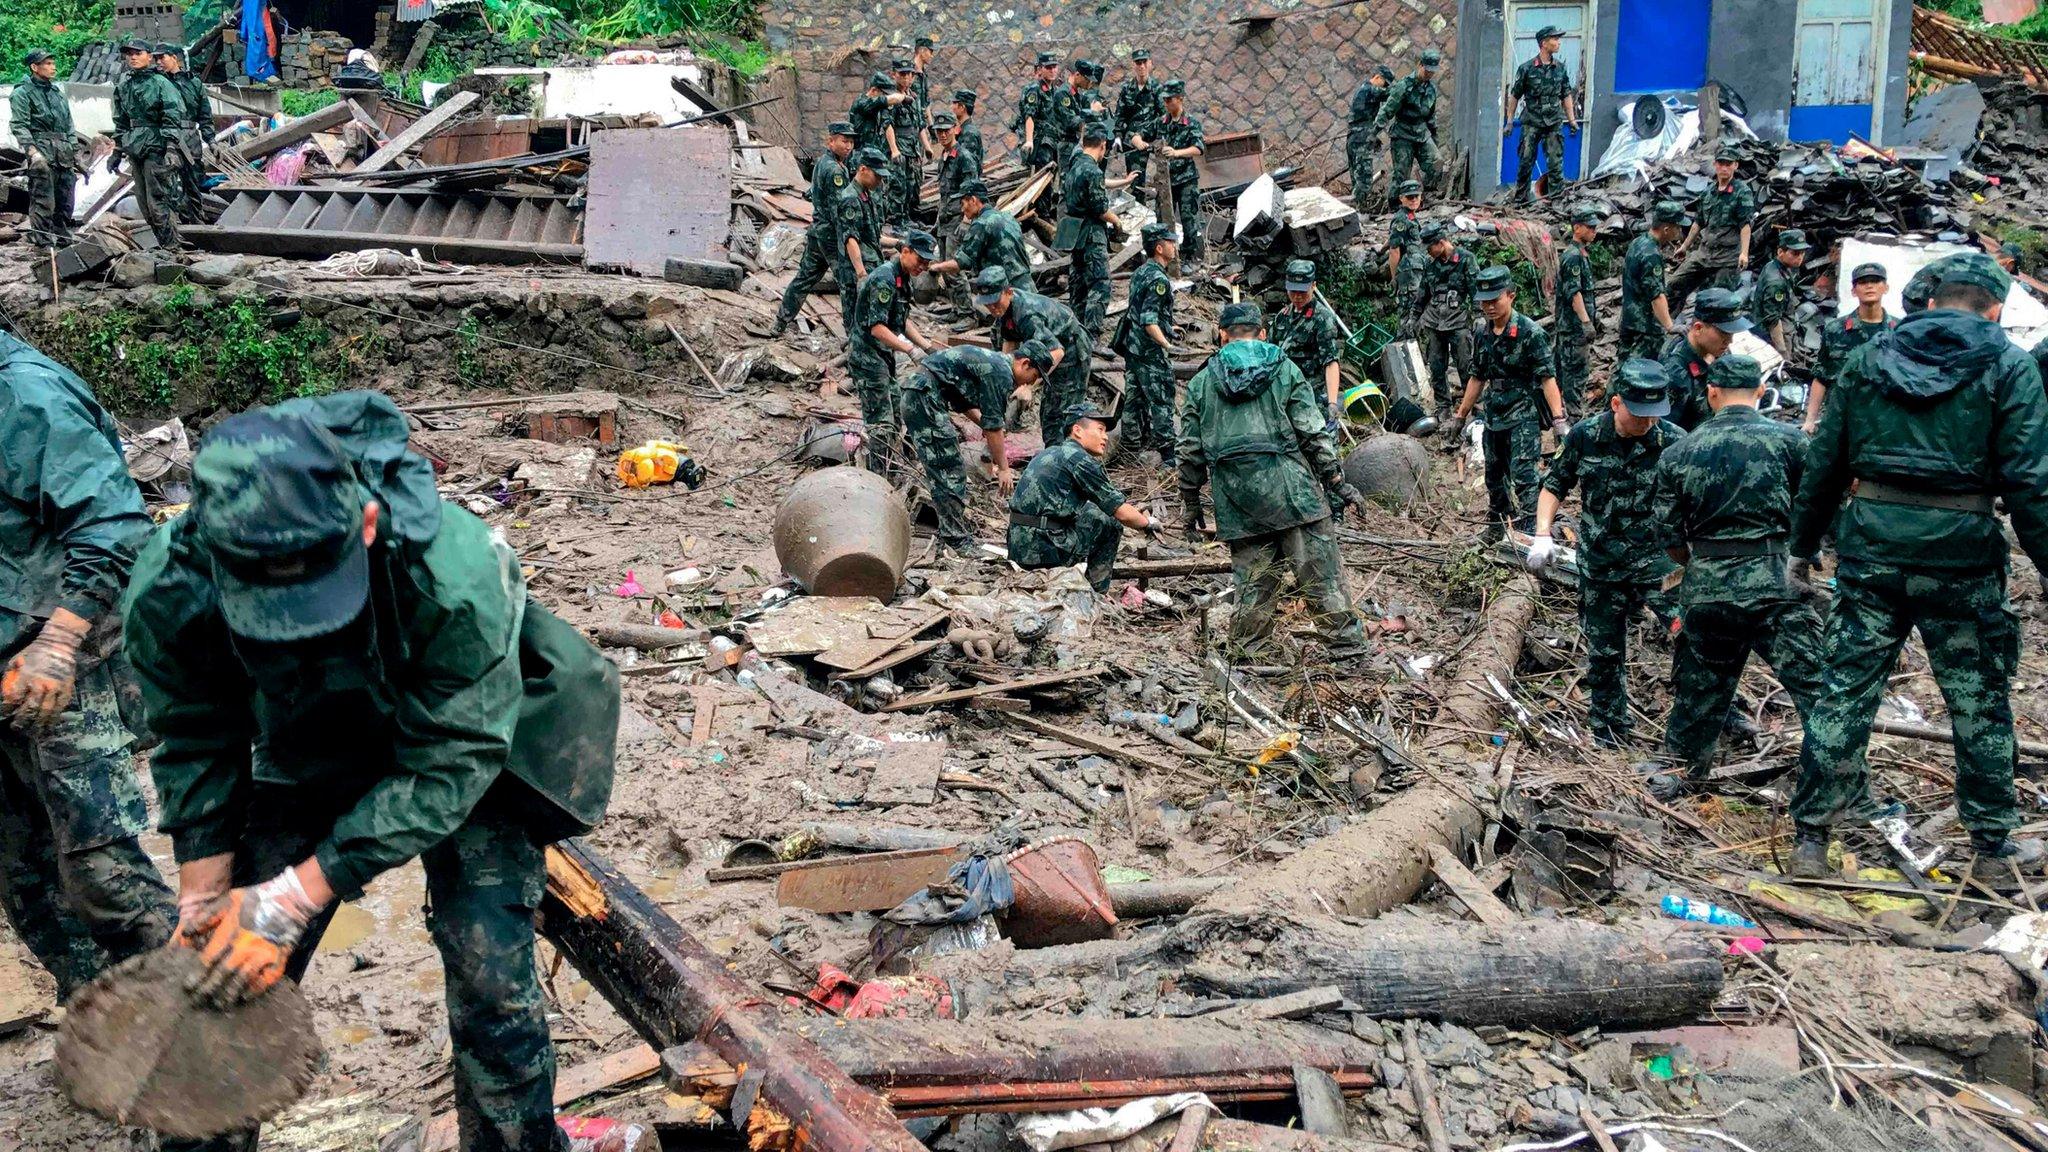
pixel 257 56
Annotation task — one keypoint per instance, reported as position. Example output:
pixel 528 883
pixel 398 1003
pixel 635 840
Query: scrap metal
pixel 478 227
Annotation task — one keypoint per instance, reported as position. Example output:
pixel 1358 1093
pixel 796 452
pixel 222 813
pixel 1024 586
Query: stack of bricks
pixel 1288 74
pixel 309 59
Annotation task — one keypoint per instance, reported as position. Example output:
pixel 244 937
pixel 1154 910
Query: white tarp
pixel 1631 155
pixel 2025 318
pixel 610 89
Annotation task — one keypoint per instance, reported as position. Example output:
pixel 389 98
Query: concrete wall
pixel 1751 51
pixel 1290 78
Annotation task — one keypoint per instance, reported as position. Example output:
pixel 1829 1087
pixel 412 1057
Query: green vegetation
pixel 296 103
pixel 193 351
pixel 2034 27
pixel 2033 243
pixel 720 30
pixel 58 26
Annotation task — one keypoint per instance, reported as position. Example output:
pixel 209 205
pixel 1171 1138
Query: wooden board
pixel 1050 679
pixel 815 624
pixel 895 656
pixel 439 116
pixel 873 883
pixel 1476 897
pixel 656 193
pixel 906 772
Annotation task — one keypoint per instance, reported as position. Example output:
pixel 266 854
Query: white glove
pixel 1542 550
pixel 37 160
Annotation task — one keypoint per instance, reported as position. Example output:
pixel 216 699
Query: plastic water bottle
pixel 1700 911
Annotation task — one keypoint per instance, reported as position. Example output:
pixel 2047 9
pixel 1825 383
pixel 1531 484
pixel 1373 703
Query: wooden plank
pixel 1088 743
pixel 906 772
pixel 874 883
pixel 1154 569
pixel 1291 1006
pixel 293 131
pixel 954 695
pixel 435 119
pixel 1475 896
pixel 901 655
pixel 702 716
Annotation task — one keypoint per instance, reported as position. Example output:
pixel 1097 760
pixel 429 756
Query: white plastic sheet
pixel 1631 155
pixel 2025 318
pixel 1052 1131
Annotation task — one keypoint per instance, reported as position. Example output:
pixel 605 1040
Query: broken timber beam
pixel 292 131
pixel 1152 569
pixel 436 119
pixel 674 991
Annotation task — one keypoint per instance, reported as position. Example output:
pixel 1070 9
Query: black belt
pixel 1042 523
pixel 1730 549
pixel 1950 501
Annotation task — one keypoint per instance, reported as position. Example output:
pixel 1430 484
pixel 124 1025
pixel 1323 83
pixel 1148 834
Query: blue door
pixel 1661 45
pixel 1835 69
pixel 1523 22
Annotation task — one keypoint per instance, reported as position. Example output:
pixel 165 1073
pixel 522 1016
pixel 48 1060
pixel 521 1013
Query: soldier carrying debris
pixel 1144 337
pixel 77 887
pixel 1409 119
pixel 1645 303
pixel 1841 339
pixel 1718 244
pixel 1513 368
pixel 989 238
pixel 41 118
pixel 1440 311
pixel 347 673
pixel 1181 140
pixel 828 179
pixel 1926 430
pixel 1065 510
pixel 149 115
pixel 1085 225
pixel 1544 87
pixel 882 328
pixel 1253 431
pixel 978 383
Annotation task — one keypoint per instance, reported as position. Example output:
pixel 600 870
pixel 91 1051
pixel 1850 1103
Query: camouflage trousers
pixel 906 183
pixel 1139 164
pixel 937 444
pixel 1973 644
pixel 810 272
pixel 1148 402
pixel 1648 344
pixel 1574 370
pixel 1092 540
pixel 1447 358
pixel 1088 285
pixel 1194 238
pixel 1607 609
pixel 484 884
pixel 849 288
pixel 1551 142
pixel 1511 481
pixel 881 407
pixel 77 887
pixel 50 193
pixel 1706 667
pixel 1361 155
pixel 157 186
pixel 1404 156
pixel 1710 265
pixel 1064 388
pixel 1259 564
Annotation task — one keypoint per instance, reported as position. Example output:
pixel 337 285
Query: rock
pixel 133 270
pixel 1393 1073
pixel 1466 1076
pixel 1389 466
pixel 1368 1029
pixel 215 271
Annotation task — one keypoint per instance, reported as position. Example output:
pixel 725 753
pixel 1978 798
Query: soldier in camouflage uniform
pixel 1544 88
pixel 857 229
pixel 1931 424
pixel 1362 135
pixel 1042 114
pixel 1409 120
pixel 1440 312
pixel 1513 368
pixel 967 132
pixel 1406 252
pixel 1576 319
pixel 1841 339
pixel 1645 303
pixel 906 127
pixel 989 238
pixel 1181 140
pixel 1140 110
pixel 1091 106
pixel 1777 288
pixel 1084 231
pixel 923 48
pixel 77 887
pixel 1716 318
pixel 40 117
pixel 958 167
pixel 1719 240
pixel 882 327
pixel 1613 456
pixel 873 115
pixel 1021 317
pixel 828 179
pixel 1253 432
pixel 1065 510
pixel 1144 337
pixel 1307 332
pixel 1724 511
pixel 976 382
pixel 149 115
pixel 347 673
pixel 190 148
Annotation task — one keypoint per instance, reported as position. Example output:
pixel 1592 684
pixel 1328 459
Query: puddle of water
pixel 354 1034
pixel 351 925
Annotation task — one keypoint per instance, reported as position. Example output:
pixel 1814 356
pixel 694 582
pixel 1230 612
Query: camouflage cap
pixel 966 98
pixel 1720 308
pixel 1140 55
pixel 921 242
pixel 1642 387
pixel 1090 410
pixel 2011 251
pixel 924 41
pixel 1492 283
pixel 1430 58
pixel 1038 352
pixel 1243 314
pixel 1868 272
pixel 944 120
pixel 277 506
pixel 1590 216
pixel 901 65
pixel 1668 212
pixel 1728 154
pixel 976 188
pixel 1048 59
pixel 1173 88
pixel 1549 32
pixel 1736 372
pixel 176 51
pixel 1155 232
pixel 1301 275
pixel 1433 232
pixel 1384 72
pixel 136 44
pixel 1793 240
pixel 1084 66
pixel 1976 269
pixel 989 285
pixel 36 56
pixel 840 128
pixel 1095 132
pixel 880 80
pixel 1409 188
pixel 871 158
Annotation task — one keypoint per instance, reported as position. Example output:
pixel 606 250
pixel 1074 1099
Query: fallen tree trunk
pixel 1381 862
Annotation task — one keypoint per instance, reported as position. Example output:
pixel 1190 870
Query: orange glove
pixel 39 681
pixel 252 938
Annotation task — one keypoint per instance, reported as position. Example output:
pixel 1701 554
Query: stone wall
pixel 1287 71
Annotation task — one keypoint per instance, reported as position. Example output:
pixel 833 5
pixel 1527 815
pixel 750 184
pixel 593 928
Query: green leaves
pixel 61 27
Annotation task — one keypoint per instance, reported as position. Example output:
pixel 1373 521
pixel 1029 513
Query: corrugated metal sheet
pixel 476 227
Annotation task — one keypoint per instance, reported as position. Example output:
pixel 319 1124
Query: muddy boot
pixel 2024 852
pixel 1663 780
pixel 781 326
pixel 965 547
pixel 1810 856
